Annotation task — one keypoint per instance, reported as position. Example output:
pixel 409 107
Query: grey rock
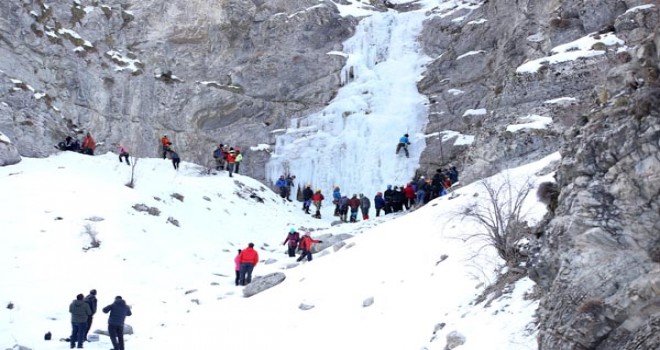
pixel 454 340
pixel 305 307
pixel 8 152
pixel 261 283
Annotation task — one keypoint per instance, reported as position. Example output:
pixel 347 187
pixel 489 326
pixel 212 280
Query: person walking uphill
pixel 292 238
pixel 90 299
pixel 403 143
pixel 118 311
pixel 306 246
pixel 79 310
pixel 248 259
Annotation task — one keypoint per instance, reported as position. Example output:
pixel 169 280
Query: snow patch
pixel 478 21
pixel 580 48
pixel 480 111
pixel 455 92
pixel 639 8
pixel 471 53
pixel 4 138
pixel 260 147
pixel 562 101
pixel 533 121
pixel 461 139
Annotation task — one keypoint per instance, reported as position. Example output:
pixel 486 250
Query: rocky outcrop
pixel 129 71
pixel 598 258
pixel 8 153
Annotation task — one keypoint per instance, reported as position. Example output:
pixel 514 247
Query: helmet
pixel 406 135
pixel 237 149
pixel 292 230
pixel 318 190
pixel 308 185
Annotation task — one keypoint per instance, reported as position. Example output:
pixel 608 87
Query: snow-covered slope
pixel 179 280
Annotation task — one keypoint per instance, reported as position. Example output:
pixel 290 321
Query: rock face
pixel 8 153
pixel 129 71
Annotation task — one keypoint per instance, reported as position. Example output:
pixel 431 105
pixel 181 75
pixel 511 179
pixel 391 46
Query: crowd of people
pixel 394 199
pixel 71 143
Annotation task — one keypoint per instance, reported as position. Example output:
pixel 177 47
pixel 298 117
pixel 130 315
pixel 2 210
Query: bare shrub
pixel 501 218
pixel 131 182
pixel 90 232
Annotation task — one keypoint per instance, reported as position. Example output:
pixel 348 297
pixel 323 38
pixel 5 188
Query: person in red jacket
pixel 165 142
pixel 248 259
pixel 231 161
pixel 317 198
pixel 306 246
pixel 89 145
pixel 237 263
pixel 409 196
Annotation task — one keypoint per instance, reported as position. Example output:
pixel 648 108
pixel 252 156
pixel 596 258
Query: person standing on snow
pixel 307 198
pixel 123 153
pixel 219 156
pixel 289 186
pixel 118 311
pixel 317 198
pixel 409 196
pixel 379 203
pixel 165 143
pixel 403 143
pixel 248 259
pixel 91 300
pixel 239 159
pixel 237 266
pixel 388 196
pixel 175 159
pixel 89 145
pixel 336 196
pixel 365 204
pixel 343 208
pixel 80 311
pixel 281 185
pixel 292 238
pixel 306 246
pixel 354 204
pixel 231 161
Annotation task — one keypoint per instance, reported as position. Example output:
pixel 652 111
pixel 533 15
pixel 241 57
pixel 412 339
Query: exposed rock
pixel 368 302
pixel 454 340
pixel 8 152
pixel 261 283
pixel 305 307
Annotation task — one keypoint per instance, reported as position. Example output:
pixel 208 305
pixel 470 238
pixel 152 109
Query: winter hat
pixel 92 292
pixel 389 187
pixel 406 135
pixel 379 193
pixel 292 230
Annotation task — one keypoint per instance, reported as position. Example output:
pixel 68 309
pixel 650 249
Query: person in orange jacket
pixel 165 141
pixel 248 260
pixel 89 145
pixel 306 246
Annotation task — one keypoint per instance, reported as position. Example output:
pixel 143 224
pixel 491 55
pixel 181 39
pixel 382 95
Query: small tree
pixel 501 217
pixel 131 183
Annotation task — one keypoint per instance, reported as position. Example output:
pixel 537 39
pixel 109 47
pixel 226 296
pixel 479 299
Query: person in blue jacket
pixel 403 143
pixel 336 196
pixel 282 185
pixel 379 203
pixel 118 311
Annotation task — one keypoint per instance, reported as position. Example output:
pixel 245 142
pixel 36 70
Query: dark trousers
pixel 238 276
pixel 400 146
pixel 175 163
pixel 378 212
pixel 125 156
pixel 305 253
pixel 165 150
pixel 246 273
pixel 116 336
pixel 238 165
pixel 292 251
pixel 89 325
pixel 78 333
pixel 230 168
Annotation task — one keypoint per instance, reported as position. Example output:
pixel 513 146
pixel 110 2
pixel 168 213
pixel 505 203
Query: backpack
pixel 217 153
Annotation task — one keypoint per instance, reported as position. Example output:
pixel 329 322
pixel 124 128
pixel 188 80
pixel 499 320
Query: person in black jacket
pixel 118 311
pixel 307 198
pixel 90 299
pixel 389 193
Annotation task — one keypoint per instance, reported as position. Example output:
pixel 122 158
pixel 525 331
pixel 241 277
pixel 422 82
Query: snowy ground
pixel 179 280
